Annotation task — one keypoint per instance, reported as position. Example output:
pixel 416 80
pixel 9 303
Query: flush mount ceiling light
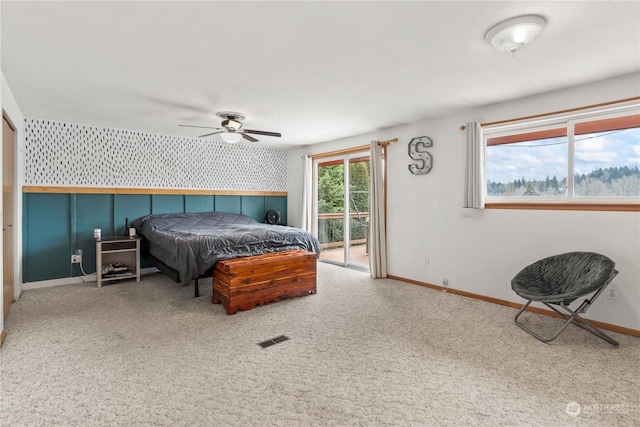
pixel 513 34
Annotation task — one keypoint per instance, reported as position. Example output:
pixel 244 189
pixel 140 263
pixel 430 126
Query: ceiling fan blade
pixel 249 138
pixel 262 132
pixel 201 127
pixel 209 134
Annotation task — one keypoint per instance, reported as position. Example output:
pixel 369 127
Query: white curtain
pixel 474 168
pixel 377 232
pixel 307 193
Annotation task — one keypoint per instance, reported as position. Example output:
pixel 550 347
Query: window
pixel 586 157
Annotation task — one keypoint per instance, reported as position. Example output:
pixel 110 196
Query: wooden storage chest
pixel 243 283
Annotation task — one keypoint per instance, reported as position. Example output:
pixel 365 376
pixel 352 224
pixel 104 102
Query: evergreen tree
pixel 359 185
pixel 530 191
pixel 331 189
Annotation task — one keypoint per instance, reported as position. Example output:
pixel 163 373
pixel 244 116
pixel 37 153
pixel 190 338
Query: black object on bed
pixel 185 246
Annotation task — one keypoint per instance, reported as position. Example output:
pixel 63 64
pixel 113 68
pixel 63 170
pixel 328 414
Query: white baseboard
pixel 73 280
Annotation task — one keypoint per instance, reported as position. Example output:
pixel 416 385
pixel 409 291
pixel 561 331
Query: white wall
pixel 12 112
pixel 480 251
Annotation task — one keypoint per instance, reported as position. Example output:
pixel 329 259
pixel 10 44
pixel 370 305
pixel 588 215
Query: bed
pixel 186 246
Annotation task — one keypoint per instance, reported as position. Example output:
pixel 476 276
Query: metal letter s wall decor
pixel 417 152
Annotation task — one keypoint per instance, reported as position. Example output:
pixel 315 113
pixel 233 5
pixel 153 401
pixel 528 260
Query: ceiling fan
pixel 232 130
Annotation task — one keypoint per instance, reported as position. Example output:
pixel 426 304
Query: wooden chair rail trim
pixel 608 326
pixel 569 206
pixel 177 191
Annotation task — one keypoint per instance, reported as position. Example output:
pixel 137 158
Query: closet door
pixel 8 249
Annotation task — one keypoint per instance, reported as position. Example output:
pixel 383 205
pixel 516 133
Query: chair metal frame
pixel 573 316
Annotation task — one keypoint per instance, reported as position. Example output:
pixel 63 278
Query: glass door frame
pixel 346 159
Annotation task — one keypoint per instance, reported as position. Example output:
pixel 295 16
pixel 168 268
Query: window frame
pixel 568 120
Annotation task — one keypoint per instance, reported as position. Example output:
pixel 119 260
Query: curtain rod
pixel 349 150
pixel 387 142
pixel 464 127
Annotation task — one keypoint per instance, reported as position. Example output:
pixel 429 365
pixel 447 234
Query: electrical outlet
pixel 426 261
pixel 445 282
pixel 612 293
pixel 76 259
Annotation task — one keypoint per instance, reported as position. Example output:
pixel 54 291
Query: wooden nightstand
pixel 114 252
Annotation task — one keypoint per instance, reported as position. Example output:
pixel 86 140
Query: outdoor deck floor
pixel 357 255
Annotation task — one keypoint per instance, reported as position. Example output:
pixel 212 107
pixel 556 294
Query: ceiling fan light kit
pixel 230 137
pixel 513 34
pixel 231 131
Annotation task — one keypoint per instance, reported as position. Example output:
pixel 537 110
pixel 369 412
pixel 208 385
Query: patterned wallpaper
pixel 76 155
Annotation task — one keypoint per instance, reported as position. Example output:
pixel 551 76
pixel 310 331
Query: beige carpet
pixel 362 352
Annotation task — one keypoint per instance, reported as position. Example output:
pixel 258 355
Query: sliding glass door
pixel 341 214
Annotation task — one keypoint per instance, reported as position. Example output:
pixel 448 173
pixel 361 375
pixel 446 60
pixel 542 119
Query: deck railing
pixel 331 229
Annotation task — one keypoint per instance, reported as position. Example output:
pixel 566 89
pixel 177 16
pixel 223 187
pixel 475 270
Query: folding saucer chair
pixel 561 279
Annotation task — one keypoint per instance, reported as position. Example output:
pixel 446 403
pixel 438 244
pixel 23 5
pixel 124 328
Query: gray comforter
pixel 191 243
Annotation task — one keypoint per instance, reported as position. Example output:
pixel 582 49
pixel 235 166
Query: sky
pixel 548 157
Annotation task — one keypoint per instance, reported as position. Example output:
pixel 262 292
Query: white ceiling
pixel 314 71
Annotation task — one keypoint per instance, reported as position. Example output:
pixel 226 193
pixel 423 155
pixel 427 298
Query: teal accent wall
pixel 92 211
pixel 195 203
pixel 127 208
pixel 48 224
pixel 167 203
pixel 56 225
pixel 231 204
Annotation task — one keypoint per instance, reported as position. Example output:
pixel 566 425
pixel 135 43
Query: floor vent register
pixel 272 341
